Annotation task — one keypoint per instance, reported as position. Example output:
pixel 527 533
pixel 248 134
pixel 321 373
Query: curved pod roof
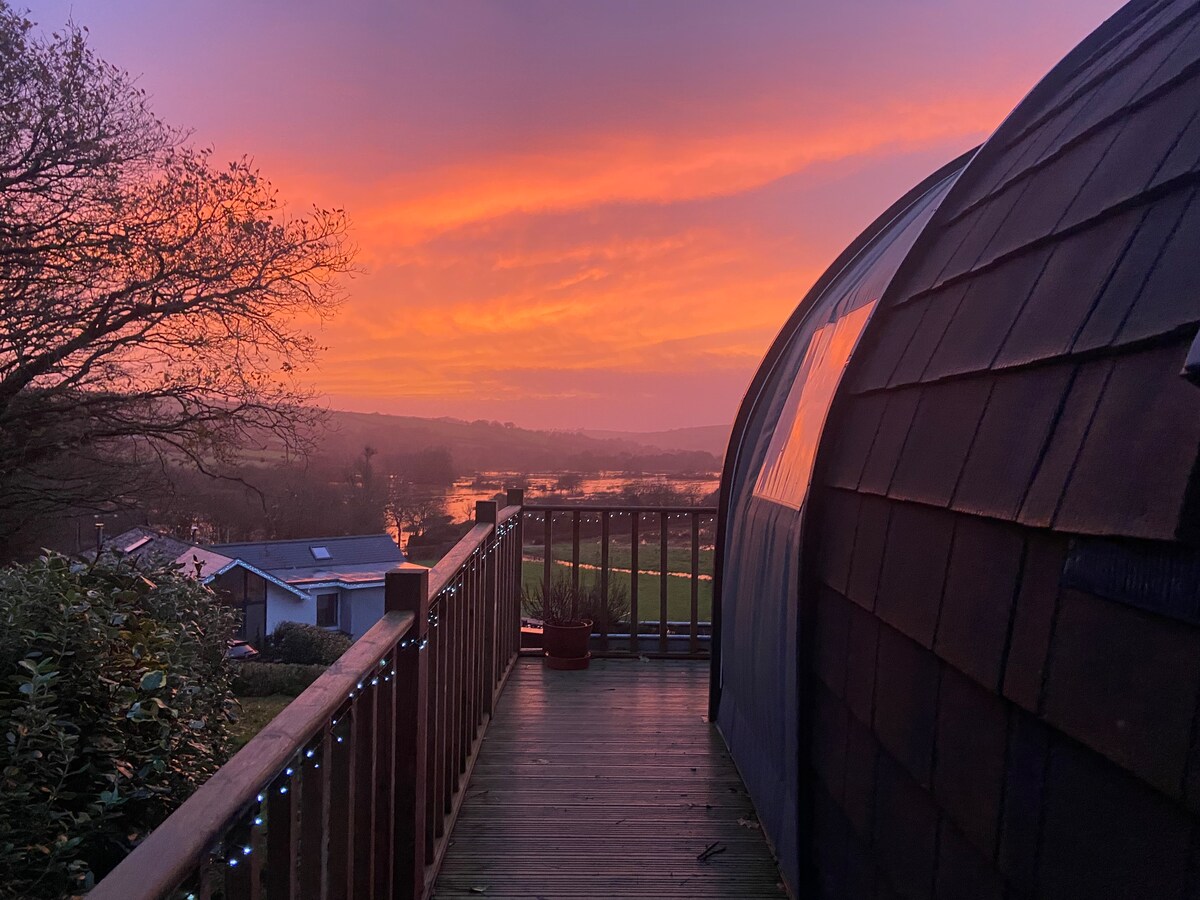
pixel 985 646
pixel 765 484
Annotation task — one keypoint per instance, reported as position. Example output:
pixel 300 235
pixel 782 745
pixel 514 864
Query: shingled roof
pixel 1006 498
pixel 304 556
pixel 998 611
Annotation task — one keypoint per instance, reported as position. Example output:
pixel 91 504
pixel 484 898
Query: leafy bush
pixel 308 644
pixel 259 679
pixel 114 706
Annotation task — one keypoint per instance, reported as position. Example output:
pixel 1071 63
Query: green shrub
pixel 308 644
pixel 259 679
pixel 114 707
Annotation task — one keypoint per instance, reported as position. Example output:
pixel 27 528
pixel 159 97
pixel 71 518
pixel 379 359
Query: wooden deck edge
pixel 536 653
pixel 792 895
pixel 439 853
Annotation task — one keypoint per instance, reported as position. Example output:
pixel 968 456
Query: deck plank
pixel 606 783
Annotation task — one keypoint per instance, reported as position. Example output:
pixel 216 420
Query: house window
pixel 327 610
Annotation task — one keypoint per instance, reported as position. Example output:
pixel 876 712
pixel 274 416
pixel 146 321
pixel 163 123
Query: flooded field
pixel 566 486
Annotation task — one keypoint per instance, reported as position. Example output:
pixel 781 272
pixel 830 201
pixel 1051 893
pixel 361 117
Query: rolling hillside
pixel 492 446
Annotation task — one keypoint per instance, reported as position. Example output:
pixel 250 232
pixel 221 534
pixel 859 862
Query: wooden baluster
pixel 341 806
pixel 635 518
pixel 575 551
pixel 461 662
pixel 282 834
pixel 468 656
pixel 242 871
pixel 487 513
pixel 475 656
pixel 516 497
pixel 361 878
pixel 547 561
pixel 385 782
pixel 453 664
pixel 407 589
pixel 451 748
pixel 432 740
pixel 604 580
pixel 695 624
pixel 314 813
pixel 211 877
pixel 662 588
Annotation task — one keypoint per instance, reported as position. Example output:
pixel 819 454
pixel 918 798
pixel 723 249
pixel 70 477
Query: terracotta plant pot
pixel 566 646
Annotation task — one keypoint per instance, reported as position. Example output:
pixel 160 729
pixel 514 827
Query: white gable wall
pixel 284 606
pixel 358 609
pixel 367 606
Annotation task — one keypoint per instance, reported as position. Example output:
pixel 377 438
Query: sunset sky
pixel 580 213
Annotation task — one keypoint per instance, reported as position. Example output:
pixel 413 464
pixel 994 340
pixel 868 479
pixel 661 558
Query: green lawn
pixel 679 591
pixel 679 558
pixel 255 713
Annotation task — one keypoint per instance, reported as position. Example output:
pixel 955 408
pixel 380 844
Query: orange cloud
pixel 648 168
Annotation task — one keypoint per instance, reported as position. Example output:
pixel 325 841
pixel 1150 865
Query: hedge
pixel 260 679
pixel 295 642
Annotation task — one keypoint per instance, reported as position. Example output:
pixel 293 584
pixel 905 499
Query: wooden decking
pixel 606 783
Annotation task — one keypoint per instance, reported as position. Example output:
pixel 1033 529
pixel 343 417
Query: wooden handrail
pixel 352 789
pixel 169 853
pixel 621 508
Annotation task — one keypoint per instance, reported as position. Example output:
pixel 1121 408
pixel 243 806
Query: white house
pixel 240 583
pixel 334 582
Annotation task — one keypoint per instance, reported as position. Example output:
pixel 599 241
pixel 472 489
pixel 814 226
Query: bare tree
pixel 152 305
pixel 414 507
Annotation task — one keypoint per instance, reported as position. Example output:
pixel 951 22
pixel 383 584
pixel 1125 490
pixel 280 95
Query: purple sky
pixel 588 213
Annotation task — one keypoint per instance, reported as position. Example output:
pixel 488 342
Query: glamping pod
pixel 958 646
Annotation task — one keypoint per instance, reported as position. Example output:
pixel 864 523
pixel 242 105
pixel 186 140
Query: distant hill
pixel 712 439
pixel 483 446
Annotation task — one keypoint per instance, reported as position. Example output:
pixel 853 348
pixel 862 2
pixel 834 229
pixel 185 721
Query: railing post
pixel 516 497
pixel 406 589
pixel 485 513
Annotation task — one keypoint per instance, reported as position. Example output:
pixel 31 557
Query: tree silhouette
pixel 152 305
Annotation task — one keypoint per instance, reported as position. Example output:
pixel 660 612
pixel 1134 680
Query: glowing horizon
pixel 594 214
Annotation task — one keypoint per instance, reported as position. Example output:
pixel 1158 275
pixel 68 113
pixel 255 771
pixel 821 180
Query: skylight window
pixel 321 553
pixel 140 542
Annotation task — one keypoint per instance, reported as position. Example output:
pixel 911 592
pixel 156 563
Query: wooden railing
pixel 660 621
pixel 351 791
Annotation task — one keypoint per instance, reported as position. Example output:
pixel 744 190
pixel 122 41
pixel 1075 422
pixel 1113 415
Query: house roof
pixel 144 543
pixel 349 556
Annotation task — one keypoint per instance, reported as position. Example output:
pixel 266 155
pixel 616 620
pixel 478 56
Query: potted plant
pixel 606 611
pixel 565 628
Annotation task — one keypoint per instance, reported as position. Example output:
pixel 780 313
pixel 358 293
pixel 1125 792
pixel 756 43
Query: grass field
pixel 679 591
pixel 256 712
pixel 679 588
pixel 679 558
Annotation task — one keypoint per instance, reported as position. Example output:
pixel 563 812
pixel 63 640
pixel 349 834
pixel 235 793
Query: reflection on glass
pixel 787 470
